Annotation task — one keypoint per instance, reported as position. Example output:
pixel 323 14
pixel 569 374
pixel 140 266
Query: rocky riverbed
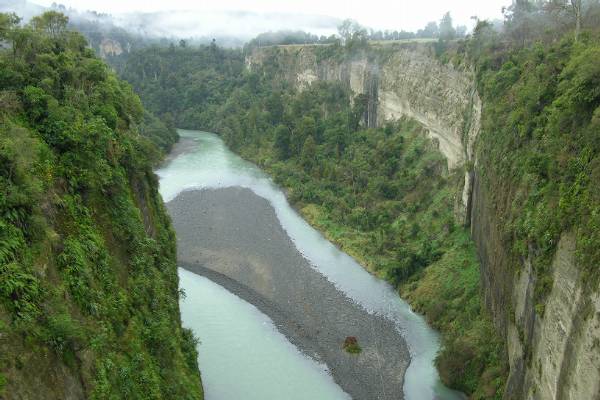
pixel 233 237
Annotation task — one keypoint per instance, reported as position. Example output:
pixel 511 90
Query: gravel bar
pixel 233 237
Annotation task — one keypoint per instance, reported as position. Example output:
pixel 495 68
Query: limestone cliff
pixel 553 354
pixel 404 80
pixel 109 47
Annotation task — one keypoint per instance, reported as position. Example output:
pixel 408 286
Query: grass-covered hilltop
pixel 88 280
pixel 488 241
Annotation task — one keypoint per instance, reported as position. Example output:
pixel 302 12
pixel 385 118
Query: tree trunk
pixel 576 4
pixel 577 25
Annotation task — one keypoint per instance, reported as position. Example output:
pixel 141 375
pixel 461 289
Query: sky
pixel 378 14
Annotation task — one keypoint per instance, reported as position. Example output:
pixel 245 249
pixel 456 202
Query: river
pixel 273 320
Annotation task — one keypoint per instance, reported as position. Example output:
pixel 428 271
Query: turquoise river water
pixel 241 354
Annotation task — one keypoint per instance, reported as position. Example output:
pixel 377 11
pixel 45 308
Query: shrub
pixel 351 345
pixel 64 334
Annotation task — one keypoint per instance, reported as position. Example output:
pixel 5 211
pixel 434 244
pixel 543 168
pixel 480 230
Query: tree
pixel 576 9
pixel 447 31
pixel 274 104
pixel 282 142
pixel 519 20
pixel 309 153
pixel 483 37
pixel 461 31
pixel 348 29
pixel 573 8
pixel 51 22
pixel 431 30
pixel 337 132
pixel 305 127
pixel 7 24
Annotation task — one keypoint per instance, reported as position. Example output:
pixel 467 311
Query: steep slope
pixel 535 172
pixel 88 281
pixel 398 80
pixel 395 80
pixel 536 213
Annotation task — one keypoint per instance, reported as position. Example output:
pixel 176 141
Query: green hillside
pixel 88 279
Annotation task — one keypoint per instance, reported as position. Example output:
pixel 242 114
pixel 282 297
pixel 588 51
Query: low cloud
pixel 240 24
pixel 191 24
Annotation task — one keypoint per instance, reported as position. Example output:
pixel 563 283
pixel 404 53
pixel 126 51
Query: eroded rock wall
pixel 109 47
pixel 409 81
pixel 406 80
pixel 554 353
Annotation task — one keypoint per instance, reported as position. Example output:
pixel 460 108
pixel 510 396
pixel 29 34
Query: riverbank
pixel 401 228
pixel 233 237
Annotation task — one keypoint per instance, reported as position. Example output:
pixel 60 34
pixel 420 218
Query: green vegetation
pixel 448 293
pixel 88 279
pixel 350 30
pixel 183 85
pixel 541 145
pixel 383 195
pixel 351 345
pixel 2 383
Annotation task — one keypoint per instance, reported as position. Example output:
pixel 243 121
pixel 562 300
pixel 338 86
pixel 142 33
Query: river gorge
pixel 272 301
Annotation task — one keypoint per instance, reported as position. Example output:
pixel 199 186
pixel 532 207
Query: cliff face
pixel 408 81
pixel 402 81
pixel 109 47
pixel 552 355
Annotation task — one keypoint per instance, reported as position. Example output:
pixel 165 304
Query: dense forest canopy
pixel 184 84
pixel 88 280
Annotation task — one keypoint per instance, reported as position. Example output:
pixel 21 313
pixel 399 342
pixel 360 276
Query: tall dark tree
pixel 282 142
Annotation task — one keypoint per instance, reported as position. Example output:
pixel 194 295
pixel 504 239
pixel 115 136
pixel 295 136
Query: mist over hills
pixel 228 28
